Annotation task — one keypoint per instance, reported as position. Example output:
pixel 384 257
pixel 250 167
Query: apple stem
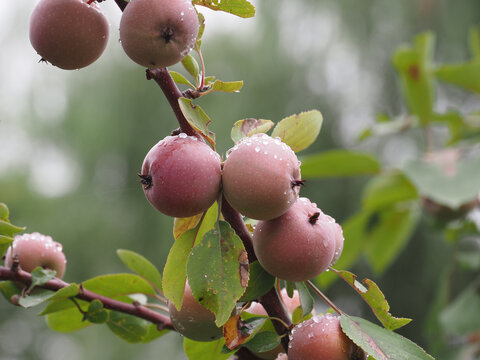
pixel 324 297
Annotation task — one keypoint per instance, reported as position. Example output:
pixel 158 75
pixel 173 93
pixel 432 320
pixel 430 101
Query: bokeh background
pixel 71 143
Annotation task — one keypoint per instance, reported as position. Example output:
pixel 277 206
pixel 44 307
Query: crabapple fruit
pixel 158 33
pixel 181 176
pixel 320 338
pixel 194 321
pixel 261 177
pixel 33 250
pixel 298 245
pixel 70 34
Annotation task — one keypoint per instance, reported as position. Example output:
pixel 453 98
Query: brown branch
pixel 163 78
pixel 162 321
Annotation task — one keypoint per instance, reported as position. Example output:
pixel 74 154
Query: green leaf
pixel 214 268
pixel 115 285
pixel 8 229
pixel 227 86
pixel 211 350
pixel 153 333
pixel 130 328
pixel 387 189
pixel 380 343
pixel 249 127
pixel 299 131
pixel 191 65
pixel 414 67
pixel 5 242
pixel 175 270
pixel 68 320
pixel 259 282
pixel 263 341
pixel 8 289
pixel 41 276
pixel 466 75
pixel 374 297
pixel 240 8
pixel 390 235
pixel 141 266
pixel 306 299
pixel 58 305
pixel 96 314
pixel 4 213
pixel 201 29
pixel 339 163
pixel 36 297
pixel 454 188
pixel 462 317
pixel 67 292
pixel 197 118
pixel 180 79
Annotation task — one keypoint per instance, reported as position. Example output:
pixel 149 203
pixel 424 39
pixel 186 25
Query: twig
pixel 162 321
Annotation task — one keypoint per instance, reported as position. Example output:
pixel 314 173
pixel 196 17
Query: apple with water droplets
pixel 261 177
pixel 297 246
pixel 69 34
pixel 181 176
pixel 33 250
pixel 158 33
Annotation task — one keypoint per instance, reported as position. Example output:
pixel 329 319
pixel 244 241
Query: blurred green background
pixel 71 143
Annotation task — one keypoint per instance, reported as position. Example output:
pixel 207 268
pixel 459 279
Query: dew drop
pixel 257 149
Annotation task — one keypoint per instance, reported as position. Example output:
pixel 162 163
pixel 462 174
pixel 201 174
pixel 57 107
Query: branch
pixel 163 78
pixel 162 321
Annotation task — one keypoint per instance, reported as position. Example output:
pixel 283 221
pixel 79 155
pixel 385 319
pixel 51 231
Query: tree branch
pixel 163 78
pixel 162 321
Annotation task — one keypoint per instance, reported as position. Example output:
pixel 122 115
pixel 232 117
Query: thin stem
pixel 162 321
pixel 324 297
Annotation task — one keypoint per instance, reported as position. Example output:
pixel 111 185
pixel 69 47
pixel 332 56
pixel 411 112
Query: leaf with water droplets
pixel 214 271
pixel 381 343
pixel 249 127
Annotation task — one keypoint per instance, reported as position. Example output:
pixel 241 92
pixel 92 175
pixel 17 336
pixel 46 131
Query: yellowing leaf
pixel 299 131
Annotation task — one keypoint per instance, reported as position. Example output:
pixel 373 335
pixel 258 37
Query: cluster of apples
pixel 260 178
pixel 72 34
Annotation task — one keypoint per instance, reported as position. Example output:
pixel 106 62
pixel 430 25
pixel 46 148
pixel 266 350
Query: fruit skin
pixel 339 239
pixel 320 338
pixel 69 34
pixel 35 250
pixel 193 320
pixel 158 33
pixel 181 176
pixel 261 177
pixel 297 246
